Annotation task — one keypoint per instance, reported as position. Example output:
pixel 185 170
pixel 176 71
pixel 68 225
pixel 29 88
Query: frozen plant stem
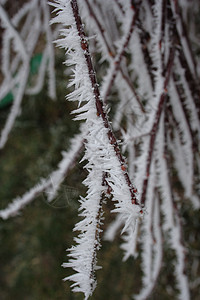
pixel 99 104
pixel 107 171
pixel 119 56
pixel 116 57
pixel 155 126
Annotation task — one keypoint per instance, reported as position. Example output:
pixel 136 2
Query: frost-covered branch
pixel 98 102
pixel 102 151
pixel 51 184
pixel 114 58
pixel 156 123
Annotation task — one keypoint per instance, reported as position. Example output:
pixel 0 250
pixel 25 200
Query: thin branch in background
pixel 119 55
pixel 51 184
pixel 156 124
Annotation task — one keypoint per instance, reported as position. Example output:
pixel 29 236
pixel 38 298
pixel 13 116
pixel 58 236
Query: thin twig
pixel 113 55
pixel 154 129
pixel 118 58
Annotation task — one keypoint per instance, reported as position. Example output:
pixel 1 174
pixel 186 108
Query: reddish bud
pixel 109 190
pixel 123 168
pixel 84 44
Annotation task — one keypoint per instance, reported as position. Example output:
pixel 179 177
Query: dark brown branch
pixel 194 88
pixel 162 35
pixel 112 54
pixel 99 104
pixel 97 244
pixel 181 97
pixel 173 122
pixel 120 55
pixel 155 126
pixel 185 34
pixel 193 82
pixel 120 6
pixel 101 29
pixel 144 39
